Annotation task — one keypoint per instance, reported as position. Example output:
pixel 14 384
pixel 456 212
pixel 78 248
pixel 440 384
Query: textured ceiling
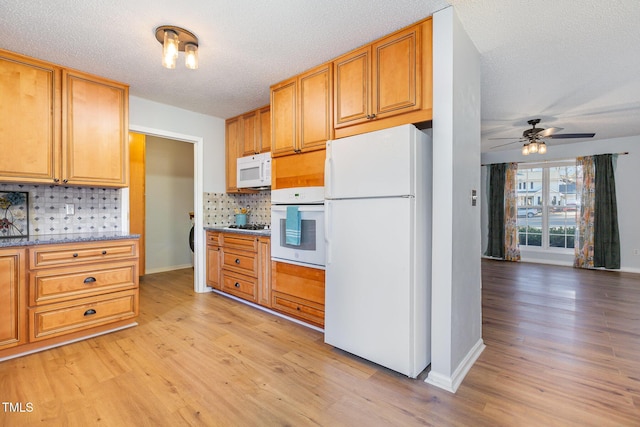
pixel 574 64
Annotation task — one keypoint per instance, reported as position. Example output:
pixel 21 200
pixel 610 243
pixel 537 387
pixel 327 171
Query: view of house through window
pixel 547 203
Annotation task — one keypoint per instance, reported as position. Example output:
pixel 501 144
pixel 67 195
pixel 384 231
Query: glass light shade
pixel 533 147
pixel 170 49
pixel 525 150
pixel 191 56
pixel 542 148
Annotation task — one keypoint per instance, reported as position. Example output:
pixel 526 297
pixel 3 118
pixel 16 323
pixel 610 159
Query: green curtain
pixel 606 239
pixel 497 177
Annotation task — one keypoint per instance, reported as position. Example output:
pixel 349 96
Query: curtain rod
pixel 623 153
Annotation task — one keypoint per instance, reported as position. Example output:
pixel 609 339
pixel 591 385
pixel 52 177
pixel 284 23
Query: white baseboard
pixel 451 383
pixel 163 269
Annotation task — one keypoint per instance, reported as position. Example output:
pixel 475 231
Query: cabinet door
pixel 396 71
pixel 315 108
pixel 283 118
pixel 352 87
pixel 29 119
pixel 213 267
pixel 233 134
pixel 95 126
pixel 264 275
pixel 12 298
pixel 250 134
pixel 264 121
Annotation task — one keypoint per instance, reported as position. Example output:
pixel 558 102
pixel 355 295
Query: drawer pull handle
pixel 104 252
pixel 237 285
pixel 89 312
pixel 237 260
pixel 75 255
pixel 90 280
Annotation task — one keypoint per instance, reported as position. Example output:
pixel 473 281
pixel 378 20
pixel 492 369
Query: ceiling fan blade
pixel 503 145
pixel 547 132
pixel 515 137
pixel 572 135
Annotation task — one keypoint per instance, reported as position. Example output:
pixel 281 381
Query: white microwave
pixel 254 171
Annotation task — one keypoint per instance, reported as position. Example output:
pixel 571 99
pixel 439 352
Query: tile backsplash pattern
pixel 96 209
pixel 219 208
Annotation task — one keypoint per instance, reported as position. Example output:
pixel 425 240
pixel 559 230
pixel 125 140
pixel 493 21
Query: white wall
pixel 169 199
pixel 627 175
pixel 456 279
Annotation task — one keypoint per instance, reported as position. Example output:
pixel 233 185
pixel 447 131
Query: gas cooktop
pixel 249 226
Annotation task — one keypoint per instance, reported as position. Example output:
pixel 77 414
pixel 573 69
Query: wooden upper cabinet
pixel 301 112
pixel 352 87
pixel 233 134
pixel 29 119
pixel 256 131
pixel 284 117
pixel 95 131
pixel 60 126
pixel 386 83
pixel 264 120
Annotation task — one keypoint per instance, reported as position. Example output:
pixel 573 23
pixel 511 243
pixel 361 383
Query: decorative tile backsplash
pixel 219 208
pixel 96 209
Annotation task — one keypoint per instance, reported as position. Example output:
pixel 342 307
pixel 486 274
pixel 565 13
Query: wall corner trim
pixel 451 383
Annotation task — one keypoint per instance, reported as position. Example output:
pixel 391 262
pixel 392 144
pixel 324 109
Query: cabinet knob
pixel 104 252
pixel 90 312
pixel 237 285
pixel 237 260
pixel 75 255
pixel 298 308
pixel 371 116
pixel 56 179
pixel 90 280
pixel 65 180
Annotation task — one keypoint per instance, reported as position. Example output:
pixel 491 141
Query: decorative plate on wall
pixel 14 214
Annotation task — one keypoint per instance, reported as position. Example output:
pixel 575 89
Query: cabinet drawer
pixel 240 262
pixel 297 307
pixel 245 242
pixel 81 253
pixel 55 285
pixel 213 238
pixel 62 318
pixel 240 286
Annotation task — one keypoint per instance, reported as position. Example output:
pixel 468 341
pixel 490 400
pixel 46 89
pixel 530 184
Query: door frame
pixel 199 275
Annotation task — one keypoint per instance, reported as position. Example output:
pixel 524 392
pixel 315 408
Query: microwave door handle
pixel 261 171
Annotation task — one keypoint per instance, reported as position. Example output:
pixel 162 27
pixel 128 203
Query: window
pixel 547 205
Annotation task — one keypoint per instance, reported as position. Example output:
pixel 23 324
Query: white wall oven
pixel 307 247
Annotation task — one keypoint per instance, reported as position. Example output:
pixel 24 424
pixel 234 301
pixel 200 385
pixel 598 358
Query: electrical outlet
pixel 70 209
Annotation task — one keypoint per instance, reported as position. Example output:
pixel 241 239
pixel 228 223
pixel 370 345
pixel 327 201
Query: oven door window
pixel 307 235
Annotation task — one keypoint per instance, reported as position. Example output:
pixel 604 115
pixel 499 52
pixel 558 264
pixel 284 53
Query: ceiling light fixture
pixel 174 40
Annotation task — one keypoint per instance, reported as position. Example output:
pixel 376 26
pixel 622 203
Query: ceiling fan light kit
pixel 534 138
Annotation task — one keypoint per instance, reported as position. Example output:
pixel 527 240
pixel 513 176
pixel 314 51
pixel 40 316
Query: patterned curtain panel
pixel 511 245
pixel 586 183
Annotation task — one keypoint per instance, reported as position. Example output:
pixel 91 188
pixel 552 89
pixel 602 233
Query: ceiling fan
pixel 534 138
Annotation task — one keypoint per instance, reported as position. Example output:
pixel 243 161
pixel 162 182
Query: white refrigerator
pixel 378 247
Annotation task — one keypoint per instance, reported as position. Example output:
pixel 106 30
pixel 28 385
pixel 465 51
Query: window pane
pixel 530 206
pixel 562 206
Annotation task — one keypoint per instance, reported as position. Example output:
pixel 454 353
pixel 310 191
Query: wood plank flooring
pixel 563 349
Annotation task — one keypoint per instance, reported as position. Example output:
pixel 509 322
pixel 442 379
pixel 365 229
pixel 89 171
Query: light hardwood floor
pixel 563 348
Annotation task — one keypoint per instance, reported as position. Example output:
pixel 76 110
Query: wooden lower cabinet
pixel 239 264
pixel 298 291
pixel 12 298
pixel 54 293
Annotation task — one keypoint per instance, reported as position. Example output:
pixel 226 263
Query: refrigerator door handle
pixel 327 231
pixel 327 172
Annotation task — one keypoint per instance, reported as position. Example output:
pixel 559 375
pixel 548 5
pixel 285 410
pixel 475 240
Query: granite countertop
pixel 264 232
pixel 66 238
